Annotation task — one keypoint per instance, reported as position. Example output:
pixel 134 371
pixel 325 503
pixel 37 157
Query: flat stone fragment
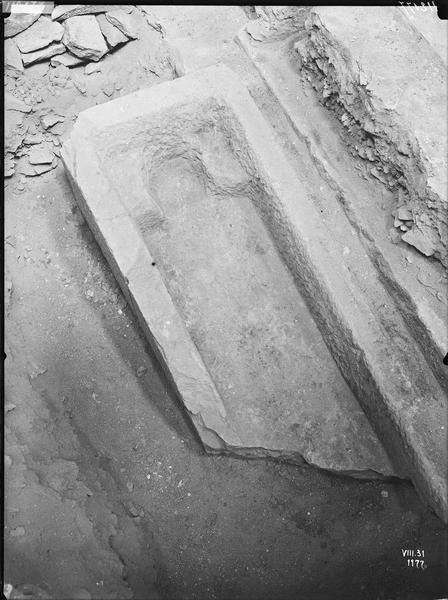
pixel 39 35
pixel 66 59
pixel 50 119
pixel 16 23
pixel 44 54
pixel 13 103
pixel 202 269
pixel 41 154
pixel 65 11
pixel 92 68
pixel 13 58
pixel 112 34
pixel 124 21
pixel 83 37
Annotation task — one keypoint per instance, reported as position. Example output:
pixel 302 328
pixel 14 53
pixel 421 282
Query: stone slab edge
pixel 380 375
pixel 428 326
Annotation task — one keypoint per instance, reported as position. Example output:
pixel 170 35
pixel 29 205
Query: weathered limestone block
pixel 112 34
pixel 389 91
pixel 40 34
pixel 83 37
pixel 32 57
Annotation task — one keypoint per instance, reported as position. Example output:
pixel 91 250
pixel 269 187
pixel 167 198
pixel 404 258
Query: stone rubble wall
pixel 388 89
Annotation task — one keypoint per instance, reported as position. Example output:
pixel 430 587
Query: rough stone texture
pixel 41 154
pixel 13 58
pixel 40 34
pixel 66 59
pixel 83 37
pixel 383 314
pixel 18 22
pixel 112 34
pixel 380 88
pixel 65 11
pixel 32 57
pixel 277 22
pixel 218 342
pixel 124 22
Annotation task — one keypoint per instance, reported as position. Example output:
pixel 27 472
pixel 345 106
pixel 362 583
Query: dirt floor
pixel 108 493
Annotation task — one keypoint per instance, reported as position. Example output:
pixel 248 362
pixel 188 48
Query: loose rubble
pixel 74 34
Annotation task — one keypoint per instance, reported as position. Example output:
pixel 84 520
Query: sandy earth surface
pixel 108 493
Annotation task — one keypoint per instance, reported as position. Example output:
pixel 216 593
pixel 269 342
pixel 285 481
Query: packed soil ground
pixel 108 493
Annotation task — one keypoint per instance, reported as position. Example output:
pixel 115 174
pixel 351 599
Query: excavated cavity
pixel 372 132
pixel 198 201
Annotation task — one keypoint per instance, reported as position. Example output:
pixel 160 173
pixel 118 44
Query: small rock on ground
pixel 41 154
pixel 92 68
pixel 66 59
pixel 50 119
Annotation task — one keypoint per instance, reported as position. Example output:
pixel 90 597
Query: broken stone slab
pixel 13 103
pixel 13 58
pixel 50 119
pixel 44 54
pixel 83 37
pixel 370 78
pixel 18 22
pixel 42 33
pixel 255 375
pixel 194 326
pixel 124 22
pixel 92 68
pixel 41 154
pixel 67 59
pixel 66 11
pixel 113 35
